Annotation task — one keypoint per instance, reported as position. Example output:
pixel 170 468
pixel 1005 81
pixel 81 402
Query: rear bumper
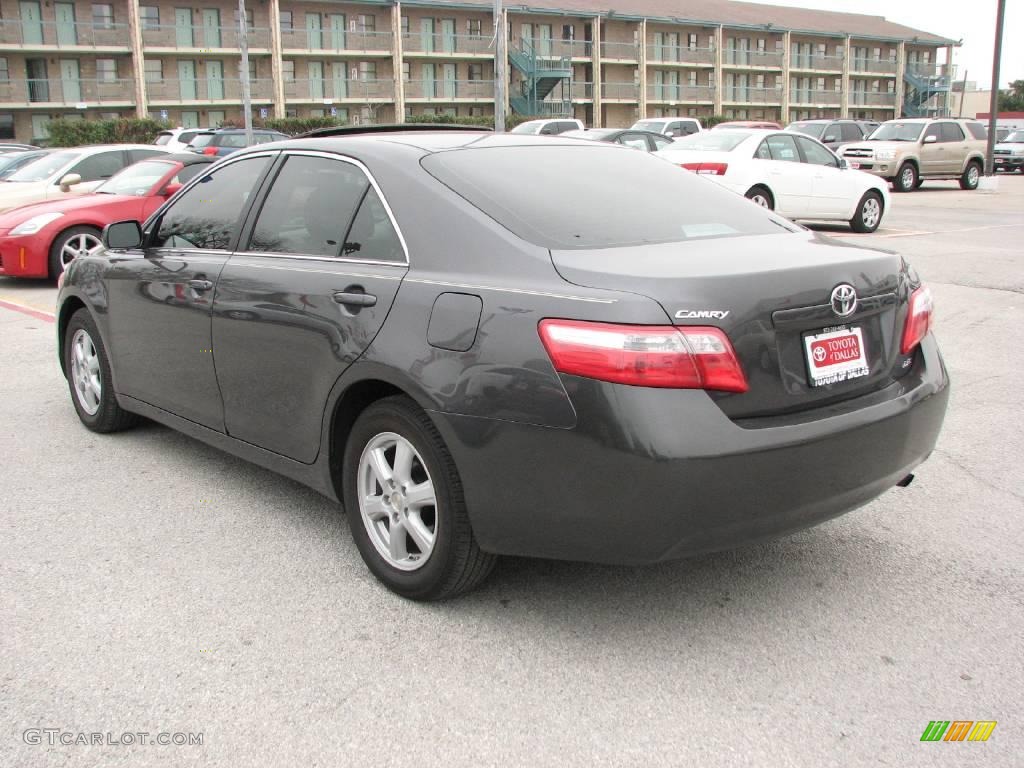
pixel 649 475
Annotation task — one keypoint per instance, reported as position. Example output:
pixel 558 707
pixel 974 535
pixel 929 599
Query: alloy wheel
pixel 77 246
pixel 870 212
pixel 973 176
pixel 907 177
pixel 760 199
pixel 85 372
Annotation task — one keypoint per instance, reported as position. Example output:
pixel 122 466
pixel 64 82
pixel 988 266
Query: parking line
pixel 36 313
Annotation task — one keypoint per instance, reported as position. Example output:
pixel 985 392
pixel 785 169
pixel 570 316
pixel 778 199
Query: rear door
pixel 832 189
pixel 955 142
pixel 788 179
pixel 306 293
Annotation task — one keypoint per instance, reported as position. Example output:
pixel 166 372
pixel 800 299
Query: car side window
pixel 977 130
pixel 831 132
pixel 689 127
pixel 372 236
pixel 634 140
pixel 660 142
pixel 933 130
pixel 188 173
pixel 309 208
pixel 99 166
pixel 815 154
pixel 952 132
pixel 783 147
pixel 207 215
pixel 850 132
pixel 135 155
pixel 763 152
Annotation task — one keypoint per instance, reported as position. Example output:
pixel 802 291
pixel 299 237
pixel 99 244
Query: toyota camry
pixel 488 345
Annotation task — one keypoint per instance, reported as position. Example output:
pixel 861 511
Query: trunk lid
pixel 767 292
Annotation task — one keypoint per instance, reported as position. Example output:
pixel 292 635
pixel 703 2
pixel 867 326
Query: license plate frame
pixel 831 359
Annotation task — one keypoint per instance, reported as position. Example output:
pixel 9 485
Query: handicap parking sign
pixel 263 112
pixel 163 114
pixel 334 111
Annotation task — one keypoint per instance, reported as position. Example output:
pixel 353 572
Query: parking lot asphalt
pixel 152 584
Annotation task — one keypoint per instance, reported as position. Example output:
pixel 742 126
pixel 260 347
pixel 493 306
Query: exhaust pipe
pixel 905 481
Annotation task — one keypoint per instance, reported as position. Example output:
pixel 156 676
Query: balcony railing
pixel 620 51
pixel 206 90
pixel 629 91
pixel 810 96
pixel 581 90
pixel 738 94
pixel 815 62
pixel 69 92
pixel 680 93
pixel 872 99
pixel 188 36
pixel 874 66
pixel 446 44
pixel 449 90
pixel 337 40
pixel 738 57
pixel 928 69
pixel 673 54
pixel 547 47
pixel 29 34
pixel 339 89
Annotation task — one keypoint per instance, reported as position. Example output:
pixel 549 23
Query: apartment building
pixel 379 61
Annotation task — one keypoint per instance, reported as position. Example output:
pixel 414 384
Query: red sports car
pixel 39 239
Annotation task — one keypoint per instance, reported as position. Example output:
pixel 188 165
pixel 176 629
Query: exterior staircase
pixel 922 83
pixel 541 74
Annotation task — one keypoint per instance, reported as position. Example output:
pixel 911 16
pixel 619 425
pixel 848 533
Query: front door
pixel 544 47
pixel 38 82
pixel 429 91
pixel 427 35
pixel 31 23
pixel 302 300
pixel 65 14
pixel 338 31
pixel 448 75
pixel 211 28
pixel 162 296
pixel 183 27
pixel 933 152
pixel 187 80
pixel 215 80
pixel 70 81
pixel 833 190
pixel 314 32
pixel 339 77
pixel 316 80
pixel 448 35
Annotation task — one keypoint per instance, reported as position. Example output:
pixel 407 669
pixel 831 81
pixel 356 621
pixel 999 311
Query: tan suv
pixel 910 151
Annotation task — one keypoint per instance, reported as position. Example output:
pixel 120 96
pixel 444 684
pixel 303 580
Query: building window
pixel 5 72
pixel 248 19
pixel 367 70
pixel 252 69
pixel 366 22
pixel 876 54
pixel 106 70
pixel 473 27
pixel 154 71
pixel 406 72
pixel 476 111
pixel 691 41
pixel 149 16
pixel 405 26
pixel 291 112
pixel 102 16
pixel 288 70
pixel 840 51
pixel 286 21
pixel 316 112
pixel 476 71
pixel 6 126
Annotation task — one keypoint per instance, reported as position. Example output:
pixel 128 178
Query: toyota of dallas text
pixel 486 345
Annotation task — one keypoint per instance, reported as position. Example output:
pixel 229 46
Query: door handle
pixel 355 298
pixel 200 285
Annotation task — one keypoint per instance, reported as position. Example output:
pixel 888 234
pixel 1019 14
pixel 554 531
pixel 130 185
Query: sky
pixel 973 21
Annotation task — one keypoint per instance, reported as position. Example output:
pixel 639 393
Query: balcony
pixel 738 94
pixel 446 45
pixel 814 63
pixel 613 51
pixel 801 97
pixel 548 48
pixel 331 90
pixel 581 90
pixel 676 54
pixel 76 36
pixel 738 57
pixel 681 94
pixel 68 92
pixel 172 90
pixel 629 91
pixel 337 40
pixel 449 90
pixel 190 37
pixel 873 66
pixel 928 69
pixel 872 99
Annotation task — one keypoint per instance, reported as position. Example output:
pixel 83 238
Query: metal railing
pixel 63 34
pixel 449 90
pixel 748 58
pixel 339 89
pixel 816 62
pixel 928 69
pixel 620 51
pixel 65 91
pixel 622 91
pixel 173 89
pixel 680 93
pixel 201 36
pixel 812 96
pixel 446 44
pixel 681 54
pixel 339 40
pixel 738 94
pixel 581 90
pixel 873 66
pixel 550 48
pixel 872 99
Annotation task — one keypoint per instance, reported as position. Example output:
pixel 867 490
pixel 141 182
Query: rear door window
pixel 952 132
pixel 102 165
pixel 977 130
pixel 783 147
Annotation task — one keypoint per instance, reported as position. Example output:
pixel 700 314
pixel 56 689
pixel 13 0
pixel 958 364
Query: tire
pixel 761 196
pixel 918 183
pixel 971 175
pixel 69 245
pixel 906 178
pixel 437 556
pixel 88 372
pixel 869 213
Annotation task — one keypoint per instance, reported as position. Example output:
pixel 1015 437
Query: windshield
pixel 650 125
pixel 1017 137
pixel 810 129
pixel 532 126
pixel 44 167
pixel 201 140
pixel 726 141
pixel 135 180
pixel 897 132
pixel 570 197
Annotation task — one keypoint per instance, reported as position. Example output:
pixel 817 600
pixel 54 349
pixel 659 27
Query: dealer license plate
pixel 836 356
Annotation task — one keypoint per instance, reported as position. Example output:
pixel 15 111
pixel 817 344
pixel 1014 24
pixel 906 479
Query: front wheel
pixel 87 368
pixel 906 178
pixel 971 176
pixel 869 213
pixel 761 196
pixel 403 498
pixel 70 245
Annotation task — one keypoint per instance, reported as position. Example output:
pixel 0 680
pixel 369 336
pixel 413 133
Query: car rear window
pixel 977 130
pixel 811 129
pixel 726 141
pixel 564 197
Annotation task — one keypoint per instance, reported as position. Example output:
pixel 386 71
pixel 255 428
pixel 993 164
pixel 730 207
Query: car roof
pixel 187 158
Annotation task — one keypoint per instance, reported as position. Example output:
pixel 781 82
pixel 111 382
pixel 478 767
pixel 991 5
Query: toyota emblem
pixel 844 300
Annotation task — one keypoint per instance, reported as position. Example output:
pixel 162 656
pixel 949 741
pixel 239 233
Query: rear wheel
pixel 906 178
pixel 761 196
pixel 403 498
pixel 69 245
pixel 869 213
pixel 88 371
pixel 971 175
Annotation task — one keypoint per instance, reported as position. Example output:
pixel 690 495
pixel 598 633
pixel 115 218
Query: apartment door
pixel 448 35
pixel 427 35
pixel 544 47
pixel 183 27
pixel 215 80
pixel 65 13
pixel 211 28
pixel 671 46
pixel 428 81
pixel 448 75
pixel 672 85
pixel 316 80
pixel 38 82
pixel 337 22
pixel 314 32
pixel 339 77
pixel 659 84
pixel 187 80
pixel 31 23
pixel 40 127
pixel 526 34
pixel 70 81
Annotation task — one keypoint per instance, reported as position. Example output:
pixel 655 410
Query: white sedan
pixel 792 174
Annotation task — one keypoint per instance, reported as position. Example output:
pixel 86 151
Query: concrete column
pixel 719 79
pixel 844 98
pixel 276 69
pixel 598 117
pixel 784 117
pixel 643 69
pixel 138 59
pixel 947 99
pixel 396 59
pixel 901 71
pixel 508 69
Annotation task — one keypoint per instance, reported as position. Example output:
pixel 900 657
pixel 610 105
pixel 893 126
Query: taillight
pixel 710 169
pixel 209 150
pixel 683 357
pixel 919 319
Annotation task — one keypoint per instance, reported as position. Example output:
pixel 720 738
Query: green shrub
pixel 708 122
pixel 76 133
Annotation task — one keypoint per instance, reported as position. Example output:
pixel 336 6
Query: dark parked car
pixel 648 141
pixel 832 133
pixel 482 346
pixel 224 141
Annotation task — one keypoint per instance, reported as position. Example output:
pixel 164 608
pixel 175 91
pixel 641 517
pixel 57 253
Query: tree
pixel 1013 99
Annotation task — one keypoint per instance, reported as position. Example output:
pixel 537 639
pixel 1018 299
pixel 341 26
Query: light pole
pixel 243 46
pixel 993 104
pixel 500 38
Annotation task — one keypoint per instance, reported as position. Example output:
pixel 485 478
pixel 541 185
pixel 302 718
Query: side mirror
pixel 930 139
pixel 170 189
pixel 68 181
pixel 829 138
pixel 122 235
pixel 843 165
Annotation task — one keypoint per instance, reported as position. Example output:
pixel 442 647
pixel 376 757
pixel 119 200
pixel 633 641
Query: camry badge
pixel 702 314
pixel 844 300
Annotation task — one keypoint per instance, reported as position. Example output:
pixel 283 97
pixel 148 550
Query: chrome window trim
pixel 503 289
pixel 335 272
pixel 323 259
